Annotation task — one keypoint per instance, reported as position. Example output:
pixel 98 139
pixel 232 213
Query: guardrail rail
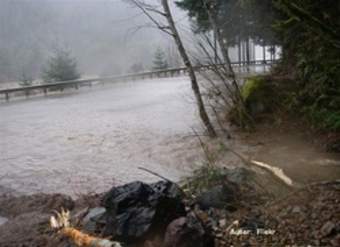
pixel 143 75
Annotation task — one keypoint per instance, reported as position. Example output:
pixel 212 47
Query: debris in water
pixel 62 223
pixel 278 172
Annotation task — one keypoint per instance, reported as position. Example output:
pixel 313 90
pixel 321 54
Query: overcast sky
pixel 106 36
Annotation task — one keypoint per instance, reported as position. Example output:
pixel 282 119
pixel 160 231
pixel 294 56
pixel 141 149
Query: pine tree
pixel 61 67
pixel 160 61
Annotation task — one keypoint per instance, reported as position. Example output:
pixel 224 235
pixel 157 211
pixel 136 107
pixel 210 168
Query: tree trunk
pixel 225 53
pixel 239 52
pixel 239 103
pixel 264 53
pixel 248 51
pixel 254 52
pixel 243 53
pixel 215 48
pixel 194 84
pixel 271 53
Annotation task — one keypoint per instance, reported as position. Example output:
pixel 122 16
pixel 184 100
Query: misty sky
pixel 101 34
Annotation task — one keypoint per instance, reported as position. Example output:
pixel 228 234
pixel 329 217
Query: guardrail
pixel 149 74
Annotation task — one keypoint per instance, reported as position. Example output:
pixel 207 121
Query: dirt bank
pixel 287 144
pixel 308 216
pixel 28 217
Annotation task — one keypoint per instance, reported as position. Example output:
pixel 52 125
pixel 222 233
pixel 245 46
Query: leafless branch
pixel 146 9
pixel 155 174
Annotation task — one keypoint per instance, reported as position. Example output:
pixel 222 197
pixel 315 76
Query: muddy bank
pixel 307 216
pixel 27 218
pixel 287 145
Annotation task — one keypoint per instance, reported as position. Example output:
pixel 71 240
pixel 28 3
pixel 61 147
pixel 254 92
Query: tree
pixel 310 36
pixel 25 79
pixel 239 21
pixel 160 62
pixel 136 68
pixel 170 29
pixel 61 67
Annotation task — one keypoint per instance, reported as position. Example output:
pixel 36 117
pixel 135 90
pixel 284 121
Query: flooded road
pixel 88 140
pixel 84 141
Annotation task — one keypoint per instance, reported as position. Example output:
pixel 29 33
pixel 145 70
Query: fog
pixel 105 36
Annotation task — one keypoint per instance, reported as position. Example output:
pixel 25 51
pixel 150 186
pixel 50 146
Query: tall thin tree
pixel 171 29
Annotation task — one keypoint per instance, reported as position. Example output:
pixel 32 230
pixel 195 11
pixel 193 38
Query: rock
pixel 94 213
pixel 327 229
pixel 336 241
pixel 217 197
pixel 238 175
pixel 79 214
pixel 222 223
pixel 94 217
pixel 296 210
pixel 137 209
pixel 257 94
pixel 186 232
pixel 3 220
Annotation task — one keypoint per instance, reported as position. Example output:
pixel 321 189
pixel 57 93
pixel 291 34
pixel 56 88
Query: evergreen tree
pixel 160 61
pixel 61 67
pixel 136 68
pixel 238 20
pixel 25 79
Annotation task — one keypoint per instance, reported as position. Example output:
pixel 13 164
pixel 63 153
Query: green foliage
pixel 241 118
pixel 160 62
pixel 323 118
pixel 252 86
pixel 238 20
pixel 309 34
pixel 61 67
pixel 259 96
pixel 311 52
pixel 204 178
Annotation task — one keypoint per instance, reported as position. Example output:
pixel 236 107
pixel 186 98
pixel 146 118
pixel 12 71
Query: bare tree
pixel 170 29
pixel 225 70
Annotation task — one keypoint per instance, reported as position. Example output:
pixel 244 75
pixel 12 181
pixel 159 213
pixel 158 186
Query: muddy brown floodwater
pixel 87 140
pixel 291 148
pixel 84 141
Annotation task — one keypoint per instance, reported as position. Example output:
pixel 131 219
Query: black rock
pixel 94 220
pixel 137 209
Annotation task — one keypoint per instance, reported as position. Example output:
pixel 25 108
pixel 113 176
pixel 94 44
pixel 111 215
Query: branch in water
pixel 61 223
